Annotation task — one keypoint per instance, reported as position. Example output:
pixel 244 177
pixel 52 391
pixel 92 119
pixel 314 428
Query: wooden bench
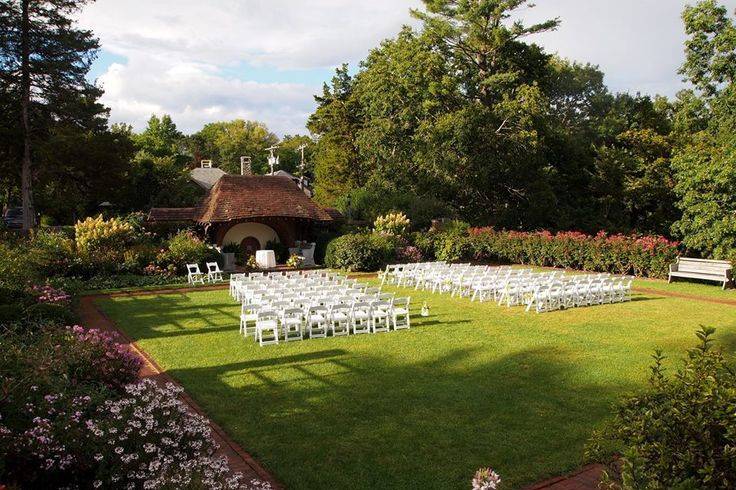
pixel 707 270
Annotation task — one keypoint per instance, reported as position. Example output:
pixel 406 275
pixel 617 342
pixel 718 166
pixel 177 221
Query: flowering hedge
pixel 647 256
pixel 73 414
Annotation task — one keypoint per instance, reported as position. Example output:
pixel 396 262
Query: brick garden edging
pixel 239 459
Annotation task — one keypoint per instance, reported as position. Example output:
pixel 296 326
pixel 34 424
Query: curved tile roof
pixel 237 197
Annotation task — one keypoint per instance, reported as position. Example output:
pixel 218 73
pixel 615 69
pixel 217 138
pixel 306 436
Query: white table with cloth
pixel 266 259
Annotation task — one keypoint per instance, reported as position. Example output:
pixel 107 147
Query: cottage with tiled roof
pixel 252 210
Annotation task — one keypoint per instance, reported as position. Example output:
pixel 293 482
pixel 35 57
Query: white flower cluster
pixel 153 441
pixel 486 479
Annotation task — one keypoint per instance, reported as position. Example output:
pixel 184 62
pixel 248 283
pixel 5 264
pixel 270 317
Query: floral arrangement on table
pixel 252 264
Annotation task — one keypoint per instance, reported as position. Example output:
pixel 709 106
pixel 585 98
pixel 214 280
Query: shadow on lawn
pixel 339 419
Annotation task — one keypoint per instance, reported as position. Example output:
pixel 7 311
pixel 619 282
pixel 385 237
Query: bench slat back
pixel 685 264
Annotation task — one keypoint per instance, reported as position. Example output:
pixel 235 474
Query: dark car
pixel 13 218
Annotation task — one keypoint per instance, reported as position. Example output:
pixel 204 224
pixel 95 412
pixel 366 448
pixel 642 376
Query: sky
pixel 205 61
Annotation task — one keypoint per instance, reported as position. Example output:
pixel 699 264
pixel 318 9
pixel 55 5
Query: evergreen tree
pixel 44 59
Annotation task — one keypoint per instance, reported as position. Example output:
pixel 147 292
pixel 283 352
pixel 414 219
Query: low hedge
pixel 645 256
pixel 361 252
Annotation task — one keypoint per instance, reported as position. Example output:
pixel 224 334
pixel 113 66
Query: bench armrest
pixel 673 267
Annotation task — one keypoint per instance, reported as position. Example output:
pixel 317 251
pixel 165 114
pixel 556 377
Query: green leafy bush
pixel 361 252
pixel 681 433
pixel 185 248
pixel 280 250
pixel 56 314
pixel 620 254
pixel 10 313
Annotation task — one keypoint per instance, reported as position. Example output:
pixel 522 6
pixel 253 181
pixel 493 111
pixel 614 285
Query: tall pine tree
pixel 44 61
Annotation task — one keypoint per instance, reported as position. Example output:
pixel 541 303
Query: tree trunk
pixel 26 184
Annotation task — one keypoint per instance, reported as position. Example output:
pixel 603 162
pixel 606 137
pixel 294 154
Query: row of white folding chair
pixel 291 293
pixel 576 293
pixel 340 319
pixel 241 291
pixel 258 303
pixel 195 275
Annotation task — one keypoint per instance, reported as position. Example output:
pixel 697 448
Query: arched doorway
pixel 249 245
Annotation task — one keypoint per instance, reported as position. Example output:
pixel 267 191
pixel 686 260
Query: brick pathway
pixel 586 478
pixel 240 461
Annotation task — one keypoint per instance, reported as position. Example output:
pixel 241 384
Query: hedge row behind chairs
pixel 195 275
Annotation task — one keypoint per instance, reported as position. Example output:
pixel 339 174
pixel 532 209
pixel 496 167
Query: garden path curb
pixel 586 478
pixel 240 461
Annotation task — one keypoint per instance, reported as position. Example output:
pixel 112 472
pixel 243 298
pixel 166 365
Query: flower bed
pixel 647 256
pixel 74 414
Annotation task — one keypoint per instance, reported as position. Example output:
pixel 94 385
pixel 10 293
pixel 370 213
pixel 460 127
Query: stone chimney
pixel 245 168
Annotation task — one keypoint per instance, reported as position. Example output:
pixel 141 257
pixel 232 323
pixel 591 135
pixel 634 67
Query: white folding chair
pixel 267 323
pixel 194 275
pixel 292 320
pixel 340 319
pixel 360 318
pixel 400 313
pixel 317 322
pixel 214 274
pixel 379 315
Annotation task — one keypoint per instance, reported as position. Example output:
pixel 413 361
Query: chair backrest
pixel 381 305
pixel 193 269
pixel 293 313
pixel 213 267
pixel 267 315
pixel 402 302
pixel 317 310
pixel 361 305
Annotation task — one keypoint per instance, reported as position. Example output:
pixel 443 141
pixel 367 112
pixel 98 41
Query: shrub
pixel 409 253
pixel 184 248
pixel 426 243
pixel 53 252
pixel 153 441
pixel 280 250
pixel 681 433
pixel 392 224
pixel 621 254
pixel 360 252
pixel 16 264
pixel 100 358
pixel 94 235
pixel 10 313
pixel 144 439
pixel 55 314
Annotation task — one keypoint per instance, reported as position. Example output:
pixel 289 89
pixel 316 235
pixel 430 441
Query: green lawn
pixel 472 385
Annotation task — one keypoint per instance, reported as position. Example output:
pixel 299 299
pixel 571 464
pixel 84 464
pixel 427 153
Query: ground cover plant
pixel 471 386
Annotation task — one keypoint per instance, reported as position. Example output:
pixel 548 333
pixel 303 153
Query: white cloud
pixel 181 53
pixel 178 53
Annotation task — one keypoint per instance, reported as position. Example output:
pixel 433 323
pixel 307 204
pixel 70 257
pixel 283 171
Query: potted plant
pixel 228 252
